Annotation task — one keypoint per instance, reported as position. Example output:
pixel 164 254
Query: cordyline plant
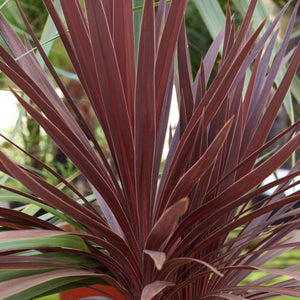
pixel 191 232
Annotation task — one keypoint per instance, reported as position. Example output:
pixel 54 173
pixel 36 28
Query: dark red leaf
pixel 145 120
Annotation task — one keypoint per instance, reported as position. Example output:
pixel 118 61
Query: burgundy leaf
pixel 173 264
pixel 112 91
pixel 185 73
pixel 124 47
pixel 184 227
pixel 194 174
pixel 145 119
pixel 166 51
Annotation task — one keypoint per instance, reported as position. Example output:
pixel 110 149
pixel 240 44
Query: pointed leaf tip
pixel 181 261
pixel 158 257
pixel 154 288
pixel 166 224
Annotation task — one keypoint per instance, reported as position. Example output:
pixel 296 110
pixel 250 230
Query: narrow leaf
pixel 194 174
pixel 145 118
pixel 154 288
pixel 164 227
pixel 158 257
pixel 40 239
pixel 212 15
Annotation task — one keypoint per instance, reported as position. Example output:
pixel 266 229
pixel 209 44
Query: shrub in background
pixel 162 236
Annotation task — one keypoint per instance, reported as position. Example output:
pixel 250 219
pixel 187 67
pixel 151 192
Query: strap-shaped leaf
pixel 158 257
pixel 167 223
pixel 213 99
pixel 212 211
pixel 212 15
pixel 80 213
pixel 267 289
pixel 166 51
pixel 194 174
pixel 224 296
pixel 123 37
pixel 275 103
pixel 154 288
pixel 145 118
pixel 112 91
pixel 23 239
pixel 185 77
pixel 16 288
pixel 173 264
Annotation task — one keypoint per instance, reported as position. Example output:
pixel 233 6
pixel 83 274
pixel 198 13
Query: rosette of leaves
pixel 191 232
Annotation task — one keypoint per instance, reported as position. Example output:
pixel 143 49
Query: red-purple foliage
pixel 155 236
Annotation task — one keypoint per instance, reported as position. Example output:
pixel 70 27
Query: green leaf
pixel 32 286
pixel 212 15
pixel 46 288
pixel 66 74
pixel 295 88
pixel 137 23
pixel 49 34
pixel 12 274
pixel 40 239
pixel 11 197
pixel 73 258
pixel 260 11
pixel 4 3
